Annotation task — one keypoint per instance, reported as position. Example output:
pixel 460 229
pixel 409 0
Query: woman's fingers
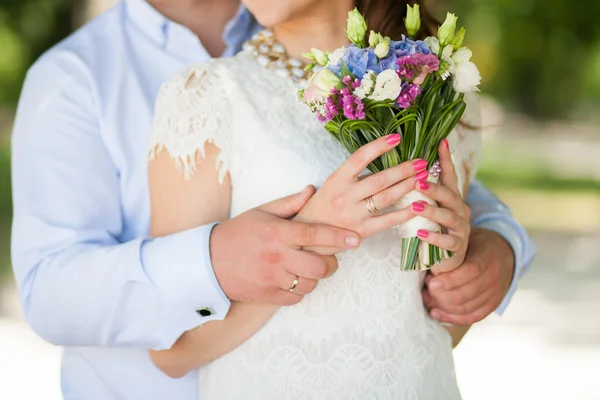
pixel 362 157
pixel 391 195
pixel 444 217
pixel 448 176
pixel 444 241
pixel 445 197
pixel 386 221
pixel 376 183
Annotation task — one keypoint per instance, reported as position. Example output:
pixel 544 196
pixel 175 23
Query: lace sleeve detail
pixel 191 110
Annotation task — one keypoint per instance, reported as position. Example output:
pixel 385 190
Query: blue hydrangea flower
pixel 358 61
pixel 408 47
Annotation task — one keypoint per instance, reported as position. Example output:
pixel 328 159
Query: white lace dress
pixel 363 333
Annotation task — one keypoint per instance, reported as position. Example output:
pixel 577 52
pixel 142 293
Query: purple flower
pixel 408 95
pixel 352 107
pixel 416 67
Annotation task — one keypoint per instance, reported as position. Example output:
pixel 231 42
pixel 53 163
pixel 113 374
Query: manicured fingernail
pixel 447 143
pixel 352 241
pixel 419 165
pixel 435 314
pixel 423 185
pixel 418 207
pixel 435 285
pixel 421 176
pixel 393 139
pixel 422 234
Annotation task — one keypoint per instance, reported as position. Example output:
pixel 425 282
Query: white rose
pixel 387 86
pixel 466 78
pixel 366 85
pixel 336 56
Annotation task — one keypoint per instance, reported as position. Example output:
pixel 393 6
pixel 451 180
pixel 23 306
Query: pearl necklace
pixel 271 54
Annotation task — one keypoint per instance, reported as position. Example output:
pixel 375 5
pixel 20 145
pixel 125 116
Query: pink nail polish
pixel 447 144
pixel 393 139
pixel 421 176
pixel 422 234
pixel 418 207
pixel 423 185
pixel 419 165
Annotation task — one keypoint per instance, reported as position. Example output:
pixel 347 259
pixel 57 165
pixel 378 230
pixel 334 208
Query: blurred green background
pixel 540 62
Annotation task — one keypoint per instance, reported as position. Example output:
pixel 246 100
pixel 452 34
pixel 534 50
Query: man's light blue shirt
pixel 89 276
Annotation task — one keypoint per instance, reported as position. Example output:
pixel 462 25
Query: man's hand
pixel 257 255
pixel 474 290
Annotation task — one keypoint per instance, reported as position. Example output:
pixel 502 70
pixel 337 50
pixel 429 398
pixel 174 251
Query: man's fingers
pixel 467 307
pixel 462 275
pixel 448 176
pixel 466 319
pixel 300 285
pixel 362 157
pixel 375 183
pixel 313 266
pixel 302 234
pixel 285 298
pixel 289 206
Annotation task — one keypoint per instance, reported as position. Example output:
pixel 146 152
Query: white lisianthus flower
pixel 387 86
pixel 319 86
pixel 336 56
pixel 448 29
pixel 466 74
pixel 357 28
pixel 433 43
pixel 382 49
pixel 366 85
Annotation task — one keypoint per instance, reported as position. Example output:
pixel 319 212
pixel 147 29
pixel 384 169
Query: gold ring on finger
pixel 294 284
pixel 370 204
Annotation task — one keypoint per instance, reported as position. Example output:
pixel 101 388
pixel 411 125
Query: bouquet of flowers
pixel 365 91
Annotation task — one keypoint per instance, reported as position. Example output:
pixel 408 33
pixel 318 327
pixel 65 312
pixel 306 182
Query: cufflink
pixel 205 311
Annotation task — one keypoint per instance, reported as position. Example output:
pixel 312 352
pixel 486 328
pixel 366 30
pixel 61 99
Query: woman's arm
pixel 178 204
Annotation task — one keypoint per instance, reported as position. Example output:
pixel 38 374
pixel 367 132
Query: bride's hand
pixel 341 200
pixel 452 213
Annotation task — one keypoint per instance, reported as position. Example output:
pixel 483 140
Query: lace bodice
pixel 363 333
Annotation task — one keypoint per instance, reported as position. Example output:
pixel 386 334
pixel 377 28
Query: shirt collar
pixel 157 26
pixel 147 18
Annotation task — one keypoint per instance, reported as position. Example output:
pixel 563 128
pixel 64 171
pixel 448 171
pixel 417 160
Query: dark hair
pixel 387 17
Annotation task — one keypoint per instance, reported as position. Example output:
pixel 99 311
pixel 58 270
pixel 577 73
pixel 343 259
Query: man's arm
pixel 500 251
pixel 487 212
pixel 78 285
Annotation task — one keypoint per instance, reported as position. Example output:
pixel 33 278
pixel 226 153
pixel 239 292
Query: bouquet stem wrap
pixel 417 255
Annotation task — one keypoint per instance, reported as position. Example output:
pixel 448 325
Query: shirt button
pixel 205 311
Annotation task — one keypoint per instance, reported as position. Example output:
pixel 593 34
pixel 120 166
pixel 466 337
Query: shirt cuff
pixel 179 265
pixel 518 239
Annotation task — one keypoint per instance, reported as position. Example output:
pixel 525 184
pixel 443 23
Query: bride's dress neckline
pixel 271 54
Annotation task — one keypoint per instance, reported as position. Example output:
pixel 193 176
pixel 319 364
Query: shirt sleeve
pixel 490 213
pixel 79 285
